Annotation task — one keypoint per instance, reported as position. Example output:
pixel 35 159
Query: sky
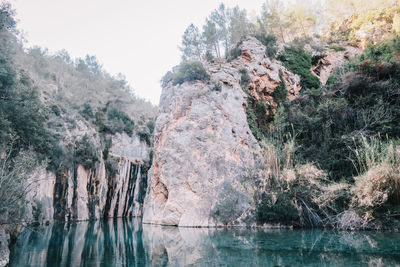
pixel 139 39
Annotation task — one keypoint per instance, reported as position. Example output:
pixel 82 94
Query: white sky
pixel 136 38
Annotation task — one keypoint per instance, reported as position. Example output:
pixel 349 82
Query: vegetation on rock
pixel 55 113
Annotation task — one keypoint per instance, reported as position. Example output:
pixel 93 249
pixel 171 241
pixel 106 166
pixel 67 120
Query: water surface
pixel 129 243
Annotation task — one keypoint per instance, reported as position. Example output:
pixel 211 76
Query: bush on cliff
pixel 299 61
pixel 113 120
pixel 190 71
pixel 234 53
pixel 85 153
pixel 270 42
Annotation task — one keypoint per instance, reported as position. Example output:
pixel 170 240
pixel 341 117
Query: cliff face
pixel 205 156
pixel 331 60
pixel 82 194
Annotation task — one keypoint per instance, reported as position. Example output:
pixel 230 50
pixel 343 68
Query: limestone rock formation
pixel 83 194
pixel 205 155
pixel 331 60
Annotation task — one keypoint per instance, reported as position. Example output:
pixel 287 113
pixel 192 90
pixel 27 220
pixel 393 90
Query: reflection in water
pixel 129 243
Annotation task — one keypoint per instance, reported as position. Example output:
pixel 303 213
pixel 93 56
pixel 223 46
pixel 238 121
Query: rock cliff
pixel 205 155
pixel 78 193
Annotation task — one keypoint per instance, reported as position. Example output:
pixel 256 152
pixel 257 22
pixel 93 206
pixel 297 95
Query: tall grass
pixel 378 164
pixel 293 193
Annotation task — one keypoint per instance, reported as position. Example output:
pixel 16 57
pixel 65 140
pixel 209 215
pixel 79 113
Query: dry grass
pixel 379 185
pixel 313 199
pixel 379 180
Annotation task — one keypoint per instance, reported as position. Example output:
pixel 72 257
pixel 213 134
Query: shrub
pixel 190 71
pixel 379 185
pixel 209 56
pixel 86 111
pixel 107 146
pixel 150 125
pixel 145 137
pixel 85 153
pixel 386 51
pixel 298 195
pixel 378 163
pixel 280 93
pixel 167 78
pixel 299 61
pixel 112 167
pixel 217 87
pixel 244 77
pixel 270 42
pixel 117 121
pixel 56 110
pixel 234 53
pixel 121 121
pixel 337 48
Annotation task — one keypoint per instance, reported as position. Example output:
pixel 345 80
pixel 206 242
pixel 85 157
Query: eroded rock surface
pixel 204 152
pixel 331 60
pixel 81 194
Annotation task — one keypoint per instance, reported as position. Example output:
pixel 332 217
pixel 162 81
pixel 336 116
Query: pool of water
pixel 129 243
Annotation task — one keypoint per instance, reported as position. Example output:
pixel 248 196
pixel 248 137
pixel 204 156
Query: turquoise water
pixel 129 243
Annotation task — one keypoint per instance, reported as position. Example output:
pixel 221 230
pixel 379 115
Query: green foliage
pixel 244 78
pixel 87 111
pixel 192 45
pixel 280 93
pixel 329 122
pixel 85 153
pixel 23 117
pixel 145 136
pixel 116 121
pixel 299 61
pixel 112 167
pixel 167 78
pixel 276 209
pixel 150 125
pixel 217 87
pixel 270 41
pixel 118 117
pixel 56 110
pixel 234 53
pixel 7 21
pixel 107 146
pixel 337 48
pixel 190 71
pixel 387 51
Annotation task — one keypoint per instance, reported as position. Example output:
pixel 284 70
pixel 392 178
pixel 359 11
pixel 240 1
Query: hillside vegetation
pixel 332 154
pixel 56 112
